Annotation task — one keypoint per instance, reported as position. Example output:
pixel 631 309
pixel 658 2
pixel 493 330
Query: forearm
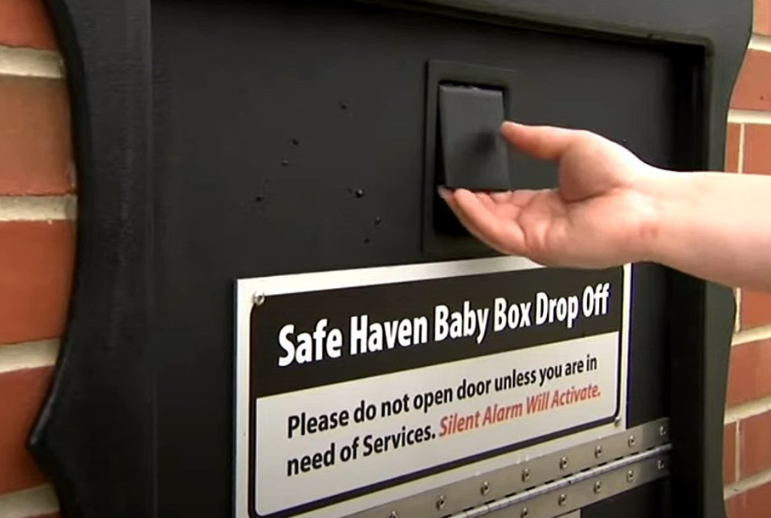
pixel 716 226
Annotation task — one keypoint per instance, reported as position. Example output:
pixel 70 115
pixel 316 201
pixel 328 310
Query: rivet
pixel 630 476
pixel 258 299
pixel 598 451
pixel 485 488
pixel 598 487
pixel 525 475
pixel 524 513
pixel 632 441
pixel 661 464
pixel 440 502
pixel 563 462
pixel 617 421
pixel 393 514
pixel 663 430
pixel 563 499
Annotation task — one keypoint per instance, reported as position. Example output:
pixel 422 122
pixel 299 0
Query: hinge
pixel 550 485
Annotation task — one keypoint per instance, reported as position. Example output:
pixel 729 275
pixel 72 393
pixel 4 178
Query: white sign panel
pixel 356 387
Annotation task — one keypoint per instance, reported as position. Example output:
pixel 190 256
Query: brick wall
pixel 747 445
pixel 36 242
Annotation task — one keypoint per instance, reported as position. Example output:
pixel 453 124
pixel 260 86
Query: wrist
pixel 659 191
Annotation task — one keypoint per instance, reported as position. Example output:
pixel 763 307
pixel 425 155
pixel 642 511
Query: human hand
pixel 601 215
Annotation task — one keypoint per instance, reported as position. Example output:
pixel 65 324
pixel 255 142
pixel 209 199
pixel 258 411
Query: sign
pixel 353 382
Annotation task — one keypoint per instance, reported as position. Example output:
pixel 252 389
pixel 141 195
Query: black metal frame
pixel 95 434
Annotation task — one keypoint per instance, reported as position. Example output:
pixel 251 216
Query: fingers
pixel 506 205
pixel 502 234
pixel 449 198
pixel 488 201
pixel 543 142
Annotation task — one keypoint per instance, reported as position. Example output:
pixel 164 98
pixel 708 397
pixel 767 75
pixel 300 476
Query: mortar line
pixel 24 62
pixel 35 501
pixel 760 42
pixel 748 484
pixel 747 410
pixel 28 355
pixel 38 208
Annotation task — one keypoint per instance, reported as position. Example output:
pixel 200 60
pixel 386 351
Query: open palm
pixel 597 217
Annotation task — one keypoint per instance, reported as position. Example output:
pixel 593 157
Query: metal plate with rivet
pixel 579 490
pixel 465 496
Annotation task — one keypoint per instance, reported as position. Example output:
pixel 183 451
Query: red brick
pixel 729 454
pixel 733 506
pixel 21 394
pixel 755 309
pixel 755 448
pixel 755 503
pixel 26 23
pixel 36 268
pixel 748 377
pixel 762 17
pixel 35 144
pixel 732 148
pixel 757 149
pixel 753 87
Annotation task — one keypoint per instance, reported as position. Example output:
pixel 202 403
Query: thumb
pixel 543 142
